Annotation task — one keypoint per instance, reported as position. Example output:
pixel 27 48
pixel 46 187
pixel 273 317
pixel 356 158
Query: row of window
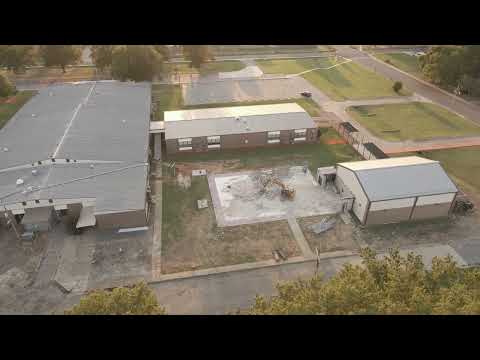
pixel 185 144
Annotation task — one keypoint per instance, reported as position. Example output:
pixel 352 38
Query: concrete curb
pixel 251 266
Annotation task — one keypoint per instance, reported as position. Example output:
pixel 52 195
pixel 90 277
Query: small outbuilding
pixel 396 189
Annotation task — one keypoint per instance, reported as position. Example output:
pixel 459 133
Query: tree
pixel 16 57
pixel 138 300
pixel 197 54
pixel 397 86
pixel 163 50
pixel 136 62
pixel 393 285
pixel 444 64
pixel 6 87
pixel 60 55
pixel 102 56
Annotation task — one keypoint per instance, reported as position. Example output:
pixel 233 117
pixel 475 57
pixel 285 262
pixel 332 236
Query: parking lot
pixel 244 90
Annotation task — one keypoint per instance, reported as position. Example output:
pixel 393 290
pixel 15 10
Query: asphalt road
pixel 467 110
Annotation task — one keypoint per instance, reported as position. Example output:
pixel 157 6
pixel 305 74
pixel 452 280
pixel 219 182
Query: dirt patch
pixel 336 239
pixel 184 181
pixel 335 141
pixel 214 166
pixel 191 239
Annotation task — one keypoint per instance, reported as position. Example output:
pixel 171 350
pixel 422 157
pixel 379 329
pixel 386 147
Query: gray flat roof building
pixel 235 120
pixel 87 141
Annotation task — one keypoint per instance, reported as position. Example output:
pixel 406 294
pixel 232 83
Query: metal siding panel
pixel 431 211
pixel 347 178
pixel 392 204
pixel 435 199
pixel 388 216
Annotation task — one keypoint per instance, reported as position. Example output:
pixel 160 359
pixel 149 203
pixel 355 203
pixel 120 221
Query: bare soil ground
pixel 336 239
pixel 192 240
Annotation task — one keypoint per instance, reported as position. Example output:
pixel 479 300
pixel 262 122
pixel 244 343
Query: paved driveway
pixel 248 90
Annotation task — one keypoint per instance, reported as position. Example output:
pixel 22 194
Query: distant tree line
pixel 143 62
pixel 125 62
pixel 453 66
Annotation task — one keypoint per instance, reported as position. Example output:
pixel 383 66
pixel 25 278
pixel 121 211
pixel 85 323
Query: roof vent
pixel 50 93
pixel 238 118
pixel 124 121
pixel 247 128
pixel 34 172
pixel 33 115
pixel 91 166
pixel 5 149
pixel 19 182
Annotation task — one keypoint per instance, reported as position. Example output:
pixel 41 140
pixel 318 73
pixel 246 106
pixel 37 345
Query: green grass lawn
pixel 207 68
pixel 413 121
pixel 405 62
pixel 292 66
pixel 166 97
pixel 352 81
pixel 176 201
pixel 308 104
pixel 462 164
pixel 8 109
pixel 316 155
pixel 346 81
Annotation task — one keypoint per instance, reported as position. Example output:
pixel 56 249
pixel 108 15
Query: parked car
pixel 306 94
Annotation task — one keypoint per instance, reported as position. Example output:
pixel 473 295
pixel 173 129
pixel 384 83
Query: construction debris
pixel 202 204
pixel 199 172
pixel 463 206
pixel 325 224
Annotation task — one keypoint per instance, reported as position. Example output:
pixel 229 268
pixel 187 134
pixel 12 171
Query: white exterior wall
pixel 435 199
pixel 348 178
pixel 392 204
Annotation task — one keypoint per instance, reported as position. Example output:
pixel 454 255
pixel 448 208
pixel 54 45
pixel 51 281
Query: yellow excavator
pixel 287 192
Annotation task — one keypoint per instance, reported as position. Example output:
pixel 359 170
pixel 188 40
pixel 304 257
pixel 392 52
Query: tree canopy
pixel 60 55
pixel 16 57
pixel 197 54
pixel 393 285
pixel 6 87
pixel 138 300
pixel 102 56
pixel 136 62
pixel 453 65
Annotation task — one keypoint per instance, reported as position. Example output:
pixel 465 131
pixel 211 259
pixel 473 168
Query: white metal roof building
pixel 236 127
pixel 82 144
pixel 235 120
pixel 397 189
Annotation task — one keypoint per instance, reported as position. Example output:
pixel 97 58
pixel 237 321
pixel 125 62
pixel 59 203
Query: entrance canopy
pixel 87 217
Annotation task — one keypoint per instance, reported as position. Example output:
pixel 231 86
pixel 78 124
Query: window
pixel 300 132
pixel 299 139
pixel 37 201
pixel 185 148
pixel 50 201
pixel 24 203
pixel 185 142
pixel 273 141
pixel 274 134
pixel 213 140
pixel 214 146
